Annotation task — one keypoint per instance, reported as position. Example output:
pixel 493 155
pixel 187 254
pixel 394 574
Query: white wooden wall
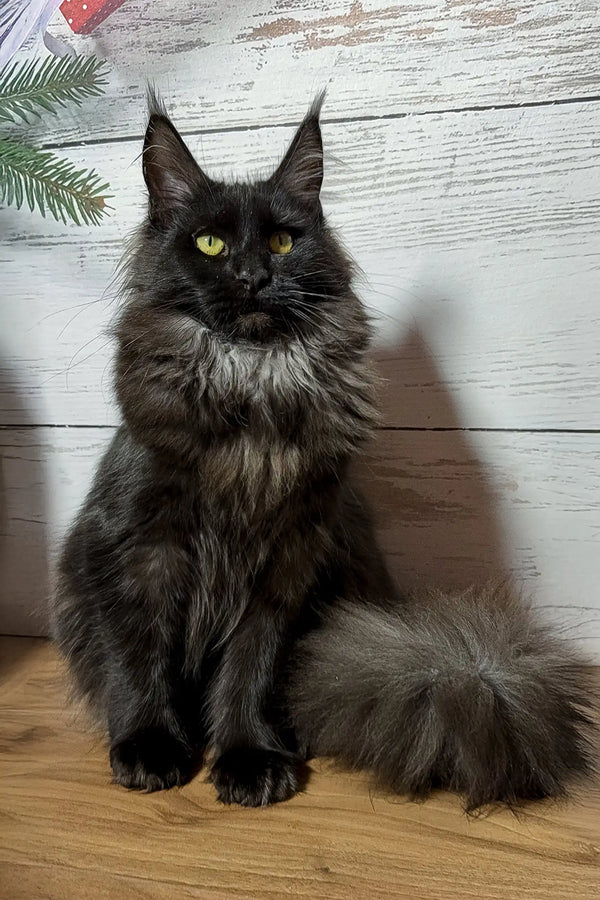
pixel 463 148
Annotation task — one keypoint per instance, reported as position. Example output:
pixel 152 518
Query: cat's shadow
pixel 432 497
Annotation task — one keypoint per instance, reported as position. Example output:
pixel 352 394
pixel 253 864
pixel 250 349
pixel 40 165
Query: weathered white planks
pixel 477 231
pixel 255 62
pixel 45 474
pixel 478 234
pixel 452 509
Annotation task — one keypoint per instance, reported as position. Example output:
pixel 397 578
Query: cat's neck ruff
pixel 186 390
pixel 258 371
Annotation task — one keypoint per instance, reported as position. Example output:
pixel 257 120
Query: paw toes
pixel 150 760
pixel 254 777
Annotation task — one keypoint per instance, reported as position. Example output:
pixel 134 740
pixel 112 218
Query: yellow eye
pixel 210 244
pixel 281 242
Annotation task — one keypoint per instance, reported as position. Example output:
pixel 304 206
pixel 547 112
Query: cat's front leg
pixel 154 717
pixel 151 746
pixel 252 767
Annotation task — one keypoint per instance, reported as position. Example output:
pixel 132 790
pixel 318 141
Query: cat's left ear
pixel 172 175
pixel 300 172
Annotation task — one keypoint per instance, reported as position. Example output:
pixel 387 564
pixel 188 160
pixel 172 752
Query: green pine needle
pixel 51 184
pixel 49 84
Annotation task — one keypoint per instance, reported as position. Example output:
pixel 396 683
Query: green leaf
pixel 25 87
pixel 50 183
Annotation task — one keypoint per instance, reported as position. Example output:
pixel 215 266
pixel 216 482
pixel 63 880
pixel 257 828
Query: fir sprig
pixel 27 86
pixel 39 177
pixel 42 179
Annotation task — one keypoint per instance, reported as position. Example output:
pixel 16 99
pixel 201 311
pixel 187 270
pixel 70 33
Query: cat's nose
pixel 252 280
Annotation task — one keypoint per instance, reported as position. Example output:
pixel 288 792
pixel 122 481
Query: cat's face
pixel 250 261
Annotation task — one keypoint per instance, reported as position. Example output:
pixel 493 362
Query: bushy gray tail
pixel 469 692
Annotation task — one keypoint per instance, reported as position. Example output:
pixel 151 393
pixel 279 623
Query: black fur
pixel 221 587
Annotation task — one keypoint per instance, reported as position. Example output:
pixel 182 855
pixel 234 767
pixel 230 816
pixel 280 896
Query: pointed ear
pixel 171 173
pixel 301 170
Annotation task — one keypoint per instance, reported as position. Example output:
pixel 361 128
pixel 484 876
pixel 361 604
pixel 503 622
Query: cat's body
pixel 223 536
pixel 217 535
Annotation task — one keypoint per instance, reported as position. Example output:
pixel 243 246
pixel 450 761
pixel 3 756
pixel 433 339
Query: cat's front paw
pixel 254 777
pixel 150 760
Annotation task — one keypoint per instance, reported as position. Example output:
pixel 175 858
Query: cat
pixel 221 593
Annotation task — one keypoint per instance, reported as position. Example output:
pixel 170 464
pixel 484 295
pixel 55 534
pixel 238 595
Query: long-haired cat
pixel 221 590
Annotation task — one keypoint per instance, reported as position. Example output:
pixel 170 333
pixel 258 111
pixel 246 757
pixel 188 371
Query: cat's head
pixel 250 261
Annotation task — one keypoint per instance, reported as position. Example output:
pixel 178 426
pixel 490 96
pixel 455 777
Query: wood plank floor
pixel 67 832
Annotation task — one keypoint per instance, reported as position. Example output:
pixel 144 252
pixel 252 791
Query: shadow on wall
pixel 433 501
pixel 24 545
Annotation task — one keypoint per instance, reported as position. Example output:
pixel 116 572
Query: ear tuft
pixel 301 170
pixel 171 173
pixel 156 106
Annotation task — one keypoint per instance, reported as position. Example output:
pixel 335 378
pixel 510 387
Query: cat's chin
pixel 258 326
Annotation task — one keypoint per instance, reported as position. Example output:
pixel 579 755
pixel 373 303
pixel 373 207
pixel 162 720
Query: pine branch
pixel 51 184
pixel 49 84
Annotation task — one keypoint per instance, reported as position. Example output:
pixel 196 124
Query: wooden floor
pixel 67 832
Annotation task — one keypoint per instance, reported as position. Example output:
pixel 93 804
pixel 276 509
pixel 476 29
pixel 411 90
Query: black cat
pixel 221 588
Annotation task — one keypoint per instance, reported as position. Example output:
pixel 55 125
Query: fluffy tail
pixel 469 692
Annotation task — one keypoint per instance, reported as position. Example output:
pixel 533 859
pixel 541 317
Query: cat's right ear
pixel 171 173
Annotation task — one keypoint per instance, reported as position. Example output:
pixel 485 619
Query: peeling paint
pixel 492 18
pixel 323 32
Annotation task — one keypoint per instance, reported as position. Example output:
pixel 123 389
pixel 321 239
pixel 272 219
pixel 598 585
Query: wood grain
pixel 452 508
pixel 219 65
pixel 477 234
pixel 66 832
